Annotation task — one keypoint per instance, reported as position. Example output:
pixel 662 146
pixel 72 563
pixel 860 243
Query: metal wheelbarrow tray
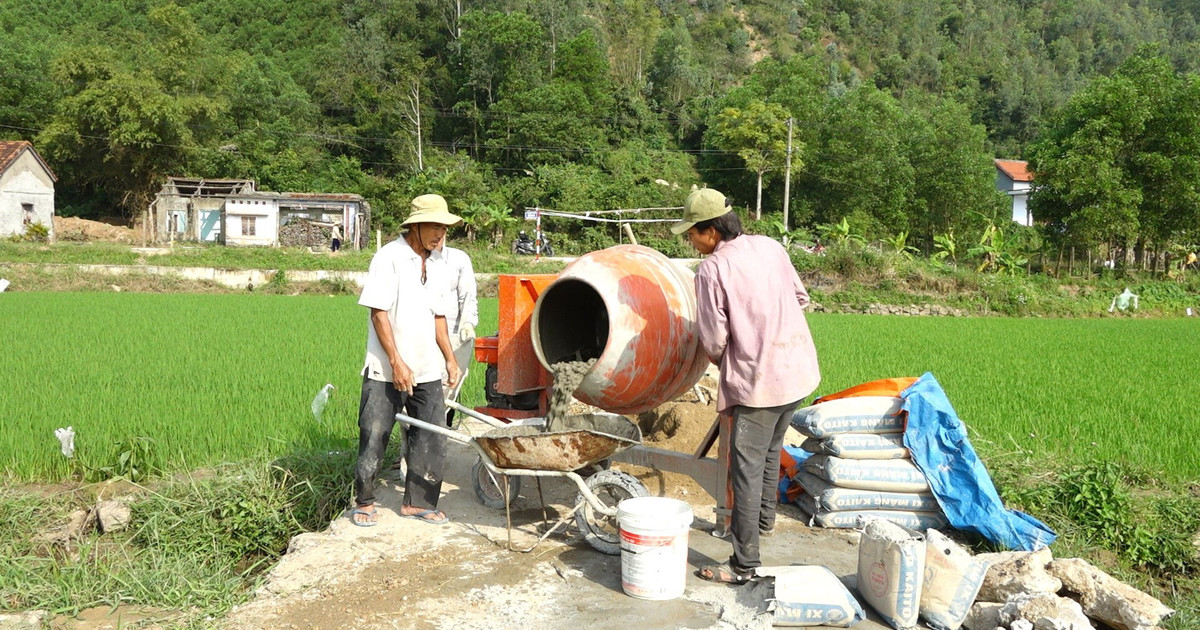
pixel 575 442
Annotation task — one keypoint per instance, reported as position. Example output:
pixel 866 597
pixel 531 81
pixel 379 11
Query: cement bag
pixel 828 497
pixel 850 519
pixel 892 475
pixel 811 596
pixel 857 414
pixel 952 580
pixel 859 446
pixel 891 566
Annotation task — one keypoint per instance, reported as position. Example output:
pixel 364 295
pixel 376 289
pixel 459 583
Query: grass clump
pixel 197 543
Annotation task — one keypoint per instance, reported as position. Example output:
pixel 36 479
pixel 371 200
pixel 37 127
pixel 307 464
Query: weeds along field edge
pixel 174 382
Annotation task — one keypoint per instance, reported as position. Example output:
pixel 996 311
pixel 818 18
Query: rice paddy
pixel 216 378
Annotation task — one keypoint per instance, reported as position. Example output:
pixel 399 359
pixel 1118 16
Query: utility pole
pixel 787 183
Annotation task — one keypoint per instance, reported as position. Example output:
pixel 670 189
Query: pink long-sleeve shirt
pixel 751 323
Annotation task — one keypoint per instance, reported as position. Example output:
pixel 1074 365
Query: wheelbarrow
pixel 577 443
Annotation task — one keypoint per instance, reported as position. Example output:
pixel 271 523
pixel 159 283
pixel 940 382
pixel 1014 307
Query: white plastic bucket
pixel 654 546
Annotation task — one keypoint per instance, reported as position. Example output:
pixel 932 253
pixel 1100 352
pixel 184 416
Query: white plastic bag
pixel 320 400
pixel 66 440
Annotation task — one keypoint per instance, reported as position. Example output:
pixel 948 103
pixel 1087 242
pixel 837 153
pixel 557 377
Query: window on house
pixel 28 208
pixel 248 226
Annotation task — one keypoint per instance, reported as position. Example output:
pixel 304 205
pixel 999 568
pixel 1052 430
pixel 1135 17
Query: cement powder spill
pixel 567 377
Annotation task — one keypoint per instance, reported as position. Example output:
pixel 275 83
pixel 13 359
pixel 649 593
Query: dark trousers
pixel 424 451
pixel 755 444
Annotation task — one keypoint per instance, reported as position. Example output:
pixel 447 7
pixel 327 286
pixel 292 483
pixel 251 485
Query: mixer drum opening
pixel 572 322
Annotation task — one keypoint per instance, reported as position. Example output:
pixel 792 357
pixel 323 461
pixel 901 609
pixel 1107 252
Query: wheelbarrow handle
pixel 482 417
pixel 428 426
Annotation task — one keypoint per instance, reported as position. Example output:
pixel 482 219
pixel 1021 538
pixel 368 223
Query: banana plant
pixel 945 246
pixel 899 243
pixel 490 219
pixel 786 236
pixel 996 250
pixel 840 233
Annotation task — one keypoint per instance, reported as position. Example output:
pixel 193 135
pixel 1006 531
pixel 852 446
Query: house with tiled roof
pixel 1014 179
pixel 26 189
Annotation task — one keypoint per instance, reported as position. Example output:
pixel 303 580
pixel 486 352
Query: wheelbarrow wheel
pixel 487 488
pixel 610 487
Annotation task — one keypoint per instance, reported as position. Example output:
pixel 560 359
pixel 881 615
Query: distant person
pixel 462 311
pixel 408 352
pixel 337 239
pixel 751 323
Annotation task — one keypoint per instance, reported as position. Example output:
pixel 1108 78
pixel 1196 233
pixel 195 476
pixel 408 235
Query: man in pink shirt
pixel 751 324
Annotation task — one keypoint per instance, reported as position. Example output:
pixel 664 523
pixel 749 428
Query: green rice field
pixel 216 378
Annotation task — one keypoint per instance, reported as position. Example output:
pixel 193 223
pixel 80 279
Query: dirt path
pixel 408 574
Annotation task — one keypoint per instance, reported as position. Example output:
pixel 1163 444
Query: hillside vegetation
pixel 585 105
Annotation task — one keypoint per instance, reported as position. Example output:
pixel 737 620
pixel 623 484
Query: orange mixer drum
pixel 634 311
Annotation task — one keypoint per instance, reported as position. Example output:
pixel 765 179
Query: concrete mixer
pixel 634 311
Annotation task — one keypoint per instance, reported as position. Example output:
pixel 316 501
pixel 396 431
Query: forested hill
pixel 579 105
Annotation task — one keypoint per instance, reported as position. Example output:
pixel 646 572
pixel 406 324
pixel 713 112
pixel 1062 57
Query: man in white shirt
pixel 408 353
pixel 462 311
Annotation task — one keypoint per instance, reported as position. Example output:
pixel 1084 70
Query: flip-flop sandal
pixel 420 516
pixel 724 574
pixel 372 516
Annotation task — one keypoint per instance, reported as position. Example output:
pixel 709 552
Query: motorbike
pixel 528 247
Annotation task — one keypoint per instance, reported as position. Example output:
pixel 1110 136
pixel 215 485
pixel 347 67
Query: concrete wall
pixel 266 222
pixel 25 182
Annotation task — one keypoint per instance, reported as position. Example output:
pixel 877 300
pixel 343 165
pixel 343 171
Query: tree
pixel 1119 163
pixel 953 173
pixel 120 129
pixel 858 166
pixel 756 133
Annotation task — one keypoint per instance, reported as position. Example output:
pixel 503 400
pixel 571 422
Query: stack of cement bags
pixel 860 467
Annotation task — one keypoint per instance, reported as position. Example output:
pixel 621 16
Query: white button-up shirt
pixel 462 306
pixel 394 285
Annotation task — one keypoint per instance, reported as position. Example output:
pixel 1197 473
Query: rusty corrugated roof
pixel 1017 170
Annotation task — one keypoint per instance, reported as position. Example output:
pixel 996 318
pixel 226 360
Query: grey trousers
pixel 424 451
pixel 755 444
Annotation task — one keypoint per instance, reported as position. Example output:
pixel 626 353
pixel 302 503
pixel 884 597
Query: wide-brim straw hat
pixel 431 209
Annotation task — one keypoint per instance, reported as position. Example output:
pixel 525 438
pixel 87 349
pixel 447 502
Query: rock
pixel 1017 573
pixel 113 516
pixel 1020 624
pixel 32 620
pixel 76 526
pixel 1046 611
pixel 983 616
pixel 1107 599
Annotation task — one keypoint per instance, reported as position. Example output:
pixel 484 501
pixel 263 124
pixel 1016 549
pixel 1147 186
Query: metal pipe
pixel 587 494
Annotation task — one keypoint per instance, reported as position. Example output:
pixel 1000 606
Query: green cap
pixel 701 205
pixel 431 209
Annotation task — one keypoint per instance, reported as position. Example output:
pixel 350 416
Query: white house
pixel 26 189
pixel 1015 180
pixel 250 219
pixel 189 208
pixel 234 212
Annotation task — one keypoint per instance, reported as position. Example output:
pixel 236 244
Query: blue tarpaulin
pixel 940 448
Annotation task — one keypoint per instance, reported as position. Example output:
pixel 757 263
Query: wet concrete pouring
pixel 408 574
